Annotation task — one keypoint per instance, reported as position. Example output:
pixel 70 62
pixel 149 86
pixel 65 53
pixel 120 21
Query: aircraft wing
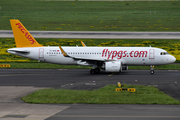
pixel 84 58
pixel 91 59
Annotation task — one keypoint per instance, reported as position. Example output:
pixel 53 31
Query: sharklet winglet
pixel 83 44
pixel 63 52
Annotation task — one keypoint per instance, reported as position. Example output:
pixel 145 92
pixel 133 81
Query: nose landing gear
pixel 152 69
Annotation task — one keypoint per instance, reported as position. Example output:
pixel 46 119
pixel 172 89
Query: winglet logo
pixel 26 33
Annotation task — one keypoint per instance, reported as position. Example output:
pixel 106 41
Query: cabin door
pixel 41 54
pixel 151 54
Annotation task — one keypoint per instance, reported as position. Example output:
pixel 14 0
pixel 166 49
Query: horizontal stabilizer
pixel 16 51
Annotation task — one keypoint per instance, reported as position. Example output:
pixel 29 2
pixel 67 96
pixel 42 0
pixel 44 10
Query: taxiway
pixel 16 83
pixel 96 34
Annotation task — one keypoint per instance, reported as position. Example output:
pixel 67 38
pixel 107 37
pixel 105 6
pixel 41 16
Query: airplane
pixel 110 59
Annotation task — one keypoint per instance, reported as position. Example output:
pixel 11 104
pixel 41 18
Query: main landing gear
pixel 152 69
pixel 94 71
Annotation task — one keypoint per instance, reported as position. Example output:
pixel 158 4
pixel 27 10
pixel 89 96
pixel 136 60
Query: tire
pixel 152 71
pixel 97 70
pixel 92 71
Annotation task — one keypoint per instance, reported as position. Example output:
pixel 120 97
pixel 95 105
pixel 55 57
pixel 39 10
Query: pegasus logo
pixel 26 33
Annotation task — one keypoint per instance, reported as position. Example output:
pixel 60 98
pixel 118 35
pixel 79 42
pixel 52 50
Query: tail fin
pixel 22 37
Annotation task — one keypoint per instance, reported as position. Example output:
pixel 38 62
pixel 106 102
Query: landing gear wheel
pixel 152 71
pixel 97 70
pixel 92 71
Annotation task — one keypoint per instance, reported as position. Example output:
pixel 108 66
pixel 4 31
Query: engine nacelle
pixel 113 66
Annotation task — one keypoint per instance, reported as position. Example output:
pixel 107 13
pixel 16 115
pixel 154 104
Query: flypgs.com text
pixel 26 33
pixel 120 54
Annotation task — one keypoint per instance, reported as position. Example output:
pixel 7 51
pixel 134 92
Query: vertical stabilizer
pixel 22 37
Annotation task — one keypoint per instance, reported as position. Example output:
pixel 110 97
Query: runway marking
pixel 111 74
pixel 90 83
pixel 20 74
pixel 62 69
pixel 41 117
pixel 27 74
pixel 116 116
pixel 65 85
pixel 173 70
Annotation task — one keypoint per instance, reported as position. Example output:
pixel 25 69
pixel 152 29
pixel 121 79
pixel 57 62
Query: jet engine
pixel 113 66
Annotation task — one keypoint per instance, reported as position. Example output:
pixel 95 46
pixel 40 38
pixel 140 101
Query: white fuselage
pixel 127 55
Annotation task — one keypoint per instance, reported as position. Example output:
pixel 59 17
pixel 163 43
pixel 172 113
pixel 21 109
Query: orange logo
pixel 26 33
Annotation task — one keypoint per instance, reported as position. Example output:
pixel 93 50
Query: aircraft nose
pixel 173 59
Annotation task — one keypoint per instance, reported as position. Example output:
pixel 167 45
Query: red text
pixel 120 54
pixel 26 33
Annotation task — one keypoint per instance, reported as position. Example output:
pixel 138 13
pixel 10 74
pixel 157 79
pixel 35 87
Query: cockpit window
pixel 164 53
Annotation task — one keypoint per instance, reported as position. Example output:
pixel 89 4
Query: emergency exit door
pixel 41 54
pixel 151 54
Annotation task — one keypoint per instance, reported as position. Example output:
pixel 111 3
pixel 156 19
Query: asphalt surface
pixel 96 34
pixel 119 112
pixel 15 83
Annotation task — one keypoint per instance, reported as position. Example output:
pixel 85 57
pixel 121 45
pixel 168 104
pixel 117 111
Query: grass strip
pixel 92 15
pixel 105 95
pixel 39 65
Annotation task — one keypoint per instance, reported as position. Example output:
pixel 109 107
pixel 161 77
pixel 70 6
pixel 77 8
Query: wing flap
pixel 92 59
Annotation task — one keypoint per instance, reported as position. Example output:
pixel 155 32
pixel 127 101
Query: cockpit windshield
pixel 164 53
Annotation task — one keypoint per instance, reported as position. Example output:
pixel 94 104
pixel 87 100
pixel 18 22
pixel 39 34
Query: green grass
pixel 105 95
pixel 92 15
